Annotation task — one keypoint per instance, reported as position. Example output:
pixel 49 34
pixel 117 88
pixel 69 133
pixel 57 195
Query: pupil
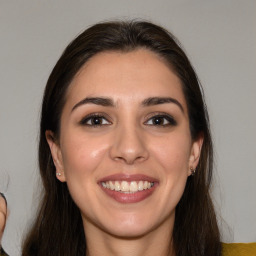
pixel 158 121
pixel 97 120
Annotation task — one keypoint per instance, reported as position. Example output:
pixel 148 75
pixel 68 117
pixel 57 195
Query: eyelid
pixel 92 115
pixel 170 118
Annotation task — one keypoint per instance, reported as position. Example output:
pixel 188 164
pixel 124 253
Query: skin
pixel 128 141
pixel 3 215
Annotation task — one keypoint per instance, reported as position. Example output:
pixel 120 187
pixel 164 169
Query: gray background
pixel 220 39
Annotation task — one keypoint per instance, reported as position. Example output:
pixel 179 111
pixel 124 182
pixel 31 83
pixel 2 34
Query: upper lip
pixel 128 177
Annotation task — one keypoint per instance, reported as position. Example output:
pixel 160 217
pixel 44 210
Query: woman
pixel 125 150
pixel 3 216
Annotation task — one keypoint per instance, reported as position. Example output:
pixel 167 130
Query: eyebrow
pixel 107 102
pixel 161 100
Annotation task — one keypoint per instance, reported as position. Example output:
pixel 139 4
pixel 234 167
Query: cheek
pixel 171 157
pixel 82 155
pixel 173 153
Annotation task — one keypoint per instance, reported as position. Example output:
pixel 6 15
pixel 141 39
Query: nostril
pixel 129 159
pixel 118 158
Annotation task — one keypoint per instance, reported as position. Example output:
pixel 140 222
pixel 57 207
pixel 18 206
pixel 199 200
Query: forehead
pixel 136 75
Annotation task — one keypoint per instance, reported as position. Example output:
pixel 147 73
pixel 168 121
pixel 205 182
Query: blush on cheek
pixel 81 158
pixel 85 147
pixel 96 151
pixel 91 156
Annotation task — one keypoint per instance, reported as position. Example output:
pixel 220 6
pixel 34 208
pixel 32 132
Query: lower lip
pixel 126 198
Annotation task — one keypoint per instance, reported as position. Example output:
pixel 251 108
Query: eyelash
pixel 166 119
pixel 88 118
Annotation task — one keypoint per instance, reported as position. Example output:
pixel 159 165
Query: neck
pixel 157 242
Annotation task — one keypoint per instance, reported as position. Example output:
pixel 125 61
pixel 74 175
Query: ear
pixel 56 155
pixel 195 154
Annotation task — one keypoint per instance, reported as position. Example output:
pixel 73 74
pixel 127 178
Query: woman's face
pixel 3 213
pixel 125 148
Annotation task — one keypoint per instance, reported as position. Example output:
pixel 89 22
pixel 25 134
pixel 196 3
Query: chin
pixel 130 226
pixel 130 232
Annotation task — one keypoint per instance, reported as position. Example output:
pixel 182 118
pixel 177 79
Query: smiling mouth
pixel 126 186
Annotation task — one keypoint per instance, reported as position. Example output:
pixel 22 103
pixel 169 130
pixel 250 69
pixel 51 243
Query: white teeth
pixel 133 186
pixel 128 187
pixel 117 186
pixel 125 186
pixel 112 186
pixel 140 185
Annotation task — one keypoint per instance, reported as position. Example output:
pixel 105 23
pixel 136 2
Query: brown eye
pixel 95 120
pixel 161 120
pixel 158 121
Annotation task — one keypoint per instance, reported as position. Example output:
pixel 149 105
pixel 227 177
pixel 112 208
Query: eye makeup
pixel 95 120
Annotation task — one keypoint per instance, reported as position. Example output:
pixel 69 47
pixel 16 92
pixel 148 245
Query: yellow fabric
pixel 239 249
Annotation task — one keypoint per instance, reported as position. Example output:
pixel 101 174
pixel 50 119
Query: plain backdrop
pixel 220 39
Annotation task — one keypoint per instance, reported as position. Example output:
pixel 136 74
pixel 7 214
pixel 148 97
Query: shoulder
pixel 239 249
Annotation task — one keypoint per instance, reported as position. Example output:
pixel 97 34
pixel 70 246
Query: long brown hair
pixel 58 228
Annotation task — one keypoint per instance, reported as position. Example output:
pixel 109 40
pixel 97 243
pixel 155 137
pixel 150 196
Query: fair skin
pixel 139 132
pixel 3 214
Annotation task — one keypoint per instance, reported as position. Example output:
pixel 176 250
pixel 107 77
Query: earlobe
pixel 195 155
pixel 56 155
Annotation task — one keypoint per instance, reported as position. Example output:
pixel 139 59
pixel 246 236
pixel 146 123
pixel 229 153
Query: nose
pixel 129 146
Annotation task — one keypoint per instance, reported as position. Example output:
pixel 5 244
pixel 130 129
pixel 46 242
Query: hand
pixel 3 215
